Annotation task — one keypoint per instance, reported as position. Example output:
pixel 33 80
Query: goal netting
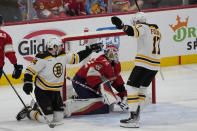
pixel 127 52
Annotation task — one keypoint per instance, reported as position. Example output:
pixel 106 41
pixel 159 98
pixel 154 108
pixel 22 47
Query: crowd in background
pixel 20 10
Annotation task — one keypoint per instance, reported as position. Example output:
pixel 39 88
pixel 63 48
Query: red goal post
pixel 93 35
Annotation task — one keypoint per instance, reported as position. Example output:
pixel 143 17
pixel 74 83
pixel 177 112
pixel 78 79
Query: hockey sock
pixel 132 97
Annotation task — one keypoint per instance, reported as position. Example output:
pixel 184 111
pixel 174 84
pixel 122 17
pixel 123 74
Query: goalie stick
pixel 87 87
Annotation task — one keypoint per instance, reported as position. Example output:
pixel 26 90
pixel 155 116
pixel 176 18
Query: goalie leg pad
pixel 107 94
pixel 85 107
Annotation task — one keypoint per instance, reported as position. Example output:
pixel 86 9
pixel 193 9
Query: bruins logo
pixel 58 70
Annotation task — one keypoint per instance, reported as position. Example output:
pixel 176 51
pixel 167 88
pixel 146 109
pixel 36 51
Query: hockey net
pixel 77 42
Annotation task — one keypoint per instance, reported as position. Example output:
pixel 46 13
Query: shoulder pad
pixel 43 54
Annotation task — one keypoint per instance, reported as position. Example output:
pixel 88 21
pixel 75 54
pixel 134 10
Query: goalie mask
pixel 139 17
pixel 55 44
pixel 111 52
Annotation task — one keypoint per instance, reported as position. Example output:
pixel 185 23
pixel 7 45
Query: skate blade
pixel 129 125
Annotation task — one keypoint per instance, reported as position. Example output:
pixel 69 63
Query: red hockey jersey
pixel 6 48
pixel 76 6
pixel 97 69
pixel 49 4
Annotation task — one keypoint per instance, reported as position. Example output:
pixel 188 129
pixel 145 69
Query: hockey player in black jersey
pixel 49 69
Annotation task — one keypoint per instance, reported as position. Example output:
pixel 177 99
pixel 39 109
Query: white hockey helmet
pixel 139 17
pixel 51 42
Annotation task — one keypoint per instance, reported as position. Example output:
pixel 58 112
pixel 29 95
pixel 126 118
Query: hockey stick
pixel 83 85
pixel 87 87
pixel 51 125
pixel 138 8
pixel 15 90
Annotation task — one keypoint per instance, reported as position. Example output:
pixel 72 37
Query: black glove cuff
pixel 121 88
pixel 27 78
pixel 15 65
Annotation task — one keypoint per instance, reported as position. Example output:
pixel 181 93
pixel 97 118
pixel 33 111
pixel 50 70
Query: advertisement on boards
pixel 178 29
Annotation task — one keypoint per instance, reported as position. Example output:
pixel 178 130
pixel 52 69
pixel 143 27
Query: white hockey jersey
pixel 148 46
pixel 50 70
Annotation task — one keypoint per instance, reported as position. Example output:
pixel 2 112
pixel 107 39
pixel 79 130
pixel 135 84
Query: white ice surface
pixel 176 108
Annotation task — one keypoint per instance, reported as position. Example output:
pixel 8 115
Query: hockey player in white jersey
pixel 147 63
pixel 48 68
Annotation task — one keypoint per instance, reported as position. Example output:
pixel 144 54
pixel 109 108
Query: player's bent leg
pixel 35 115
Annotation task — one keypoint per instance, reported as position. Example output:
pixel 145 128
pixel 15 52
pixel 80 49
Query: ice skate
pixel 23 113
pixel 132 121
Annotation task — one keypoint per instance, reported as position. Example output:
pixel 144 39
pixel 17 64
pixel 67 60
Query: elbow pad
pixel 128 30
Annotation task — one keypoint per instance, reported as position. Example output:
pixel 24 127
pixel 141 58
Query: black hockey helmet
pixel 1 19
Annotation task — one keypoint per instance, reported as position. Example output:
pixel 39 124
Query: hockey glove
pixel 1 71
pixel 123 104
pixel 117 22
pixel 17 71
pixel 27 88
pixel 97 47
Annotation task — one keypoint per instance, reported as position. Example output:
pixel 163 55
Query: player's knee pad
pixel 81 106
pixel 58 116
pixel 132 97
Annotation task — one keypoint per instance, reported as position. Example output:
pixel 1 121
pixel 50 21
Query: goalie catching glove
pixel 117 22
